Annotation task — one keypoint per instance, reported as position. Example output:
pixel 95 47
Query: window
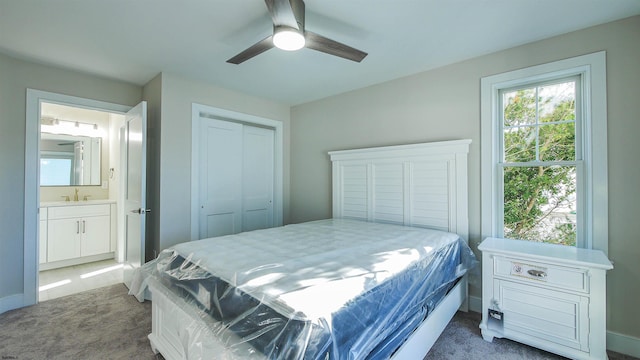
pixel 56 169
pixel 544 153
pixel 539 160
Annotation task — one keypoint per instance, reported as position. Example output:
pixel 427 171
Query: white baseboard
pixel 75 261
pixel 623 344
pixel 11 302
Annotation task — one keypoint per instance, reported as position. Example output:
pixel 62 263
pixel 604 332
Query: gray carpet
pixel 107 323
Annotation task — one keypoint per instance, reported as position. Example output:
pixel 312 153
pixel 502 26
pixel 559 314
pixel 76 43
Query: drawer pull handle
pixel 537 273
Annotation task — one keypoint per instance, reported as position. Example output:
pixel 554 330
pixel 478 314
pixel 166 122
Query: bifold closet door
pixel 236 177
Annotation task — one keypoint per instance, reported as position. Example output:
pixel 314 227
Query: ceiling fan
pixel 289 34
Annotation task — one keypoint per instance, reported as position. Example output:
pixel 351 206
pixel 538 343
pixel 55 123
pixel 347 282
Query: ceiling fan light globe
pixel 288 39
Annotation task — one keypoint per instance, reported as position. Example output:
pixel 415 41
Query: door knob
pixel 141 211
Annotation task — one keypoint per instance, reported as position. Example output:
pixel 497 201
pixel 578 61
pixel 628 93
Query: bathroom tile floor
pixel 69 280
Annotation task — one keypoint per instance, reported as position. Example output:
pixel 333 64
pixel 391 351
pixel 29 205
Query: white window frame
pixel 591 69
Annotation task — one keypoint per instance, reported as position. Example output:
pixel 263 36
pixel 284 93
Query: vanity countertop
pixel 76 203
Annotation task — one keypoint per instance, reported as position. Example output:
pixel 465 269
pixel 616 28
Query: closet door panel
pixel 257 178
pixel 221 178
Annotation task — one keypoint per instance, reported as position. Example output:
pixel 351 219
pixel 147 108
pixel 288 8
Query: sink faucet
pixel 75 197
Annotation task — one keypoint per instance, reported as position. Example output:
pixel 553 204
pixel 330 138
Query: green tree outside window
pixel 539 163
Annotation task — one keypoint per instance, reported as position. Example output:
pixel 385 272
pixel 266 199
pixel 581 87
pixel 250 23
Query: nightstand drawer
pixel 567 278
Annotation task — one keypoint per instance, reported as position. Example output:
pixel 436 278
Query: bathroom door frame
pixel 32 177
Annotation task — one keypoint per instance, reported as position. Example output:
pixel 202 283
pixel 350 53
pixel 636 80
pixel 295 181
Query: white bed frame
pixel 416 185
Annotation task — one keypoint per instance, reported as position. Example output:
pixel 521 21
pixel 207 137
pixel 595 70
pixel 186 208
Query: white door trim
pixel 222 114
pixel 32 178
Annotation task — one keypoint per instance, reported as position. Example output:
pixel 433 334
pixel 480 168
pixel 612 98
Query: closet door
pixel 220 178
pixel 236 177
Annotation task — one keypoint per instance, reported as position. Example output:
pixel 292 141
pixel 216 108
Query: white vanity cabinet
pixel 76 233
pixel 549 296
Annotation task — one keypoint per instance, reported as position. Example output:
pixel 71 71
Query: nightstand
pixel 548 296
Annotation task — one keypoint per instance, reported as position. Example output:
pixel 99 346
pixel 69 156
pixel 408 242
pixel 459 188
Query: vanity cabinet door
pixel 64 239
pixel 96 235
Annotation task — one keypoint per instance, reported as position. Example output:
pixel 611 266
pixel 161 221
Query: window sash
pixel 501 164
pixel 581 196
pixel 579 103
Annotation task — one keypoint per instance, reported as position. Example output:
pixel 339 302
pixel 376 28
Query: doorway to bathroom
pixel 79 190
pixel 75 239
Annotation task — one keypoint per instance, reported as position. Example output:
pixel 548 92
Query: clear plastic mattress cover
pixel 329 289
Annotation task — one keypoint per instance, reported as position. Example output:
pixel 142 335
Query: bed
pixel 380 279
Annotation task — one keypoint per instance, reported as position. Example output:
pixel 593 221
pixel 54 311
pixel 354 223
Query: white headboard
pixel 421 185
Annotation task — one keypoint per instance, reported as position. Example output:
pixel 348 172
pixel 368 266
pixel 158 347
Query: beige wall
pixel 15 77
pixel 177 94
pixel 444 104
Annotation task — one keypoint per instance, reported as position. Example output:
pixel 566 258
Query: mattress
pixel 329 289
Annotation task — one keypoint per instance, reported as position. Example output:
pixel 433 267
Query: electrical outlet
pixel 105 184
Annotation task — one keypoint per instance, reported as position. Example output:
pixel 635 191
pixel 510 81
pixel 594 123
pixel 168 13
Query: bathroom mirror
pixel 69 160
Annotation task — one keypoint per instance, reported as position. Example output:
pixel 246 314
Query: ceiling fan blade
pixel 287 13
pixel 256 49
pixel 325 45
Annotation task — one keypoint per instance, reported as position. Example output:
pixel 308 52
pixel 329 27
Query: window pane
pixel 520 144
pixel 540 204
pixel 558 142
pixel 539 123
pixel 55 171
pixel 557 102
pixel 519 107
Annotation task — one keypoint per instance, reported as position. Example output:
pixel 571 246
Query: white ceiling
pixel 134 40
